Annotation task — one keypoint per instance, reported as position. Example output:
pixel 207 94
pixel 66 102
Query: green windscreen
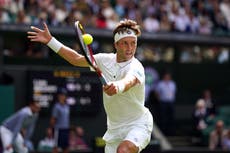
pixel 6 101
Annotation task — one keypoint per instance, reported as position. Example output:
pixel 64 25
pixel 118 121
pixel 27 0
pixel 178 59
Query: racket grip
pixel 102 79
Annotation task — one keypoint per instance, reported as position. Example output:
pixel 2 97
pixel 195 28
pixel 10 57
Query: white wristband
pixel 120 87
pixel 54 44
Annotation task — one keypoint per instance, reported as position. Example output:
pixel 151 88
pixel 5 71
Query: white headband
pixel 128 33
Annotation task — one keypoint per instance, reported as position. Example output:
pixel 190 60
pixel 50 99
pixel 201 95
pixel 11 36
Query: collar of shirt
pixel 123 64
pixel 29 111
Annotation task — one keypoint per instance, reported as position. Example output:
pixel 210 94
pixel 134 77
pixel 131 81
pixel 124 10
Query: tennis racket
pixel 87 51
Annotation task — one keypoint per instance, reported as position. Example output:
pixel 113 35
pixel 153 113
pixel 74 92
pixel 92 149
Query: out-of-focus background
pixel 189 39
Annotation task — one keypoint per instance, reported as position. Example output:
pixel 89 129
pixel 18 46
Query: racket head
pixel 86 50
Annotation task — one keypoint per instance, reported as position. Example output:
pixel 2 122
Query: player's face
pixel 126 48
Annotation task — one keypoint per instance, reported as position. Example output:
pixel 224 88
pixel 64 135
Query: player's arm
pixel 44 36
pixel 120 86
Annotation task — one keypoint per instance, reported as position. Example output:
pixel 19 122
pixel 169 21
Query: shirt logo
pixel 139 73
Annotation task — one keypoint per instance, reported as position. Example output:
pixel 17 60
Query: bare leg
pixel 127 147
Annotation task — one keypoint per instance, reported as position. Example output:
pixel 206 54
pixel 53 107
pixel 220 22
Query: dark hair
pixel 31 102
pixel 125 25
pixel 62 91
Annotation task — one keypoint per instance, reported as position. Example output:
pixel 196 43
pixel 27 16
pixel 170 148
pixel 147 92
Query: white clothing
pixel 138 133
pixel 125 122
pixel 6 137
pixel 117 107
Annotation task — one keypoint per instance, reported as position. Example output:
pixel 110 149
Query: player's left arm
pixel 121 86
pixel 129 81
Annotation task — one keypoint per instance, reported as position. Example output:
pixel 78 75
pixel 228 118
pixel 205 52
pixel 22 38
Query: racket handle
pixel 102 79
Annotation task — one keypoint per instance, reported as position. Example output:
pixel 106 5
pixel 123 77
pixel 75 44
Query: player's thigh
pixel 127 146
pixel 140 136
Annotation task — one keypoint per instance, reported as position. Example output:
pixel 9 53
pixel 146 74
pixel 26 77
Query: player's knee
pixel 127 147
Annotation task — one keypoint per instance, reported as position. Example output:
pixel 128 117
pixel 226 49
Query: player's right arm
pixel 44 36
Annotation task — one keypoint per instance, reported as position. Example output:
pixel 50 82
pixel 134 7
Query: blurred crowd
pixel 187 16
pixel 211 126
pixel 194 16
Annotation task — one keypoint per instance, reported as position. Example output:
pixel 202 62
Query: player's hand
pixel 9 147
pixel 110 89
pixel 39 35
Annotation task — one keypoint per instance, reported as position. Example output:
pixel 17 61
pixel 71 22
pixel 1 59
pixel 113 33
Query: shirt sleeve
pixel 30 129
pixel 18 126
pixel 97 58
pixel 55 111
pixel 137 70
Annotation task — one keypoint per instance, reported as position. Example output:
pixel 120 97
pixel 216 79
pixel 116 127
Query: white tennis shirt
pixel 123 108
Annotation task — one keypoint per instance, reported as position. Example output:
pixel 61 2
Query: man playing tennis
pixel 129 122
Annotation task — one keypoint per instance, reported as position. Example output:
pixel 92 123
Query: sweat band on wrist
pixel 120 87
pixel 54 44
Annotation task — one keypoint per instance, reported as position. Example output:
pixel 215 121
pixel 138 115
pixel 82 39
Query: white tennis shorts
pixel 138 133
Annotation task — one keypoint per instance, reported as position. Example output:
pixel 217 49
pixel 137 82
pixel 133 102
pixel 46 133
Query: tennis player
pixel 129 122
pixel 10 130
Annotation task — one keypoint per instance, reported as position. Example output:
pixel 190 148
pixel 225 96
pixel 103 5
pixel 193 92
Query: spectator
pixel 4 16
pixel 165 24
pixel 225 9
pixel 48 142
pixel 226 141
pixel 209 103
pixel 22 18
pixel 205 26
pixel 199 118
pixel 217 136
pixel 100 20
pixel 77 140
pixel 10 130
pixel 151 24
pixel 60 122
pixel 120 8
pixel 166 93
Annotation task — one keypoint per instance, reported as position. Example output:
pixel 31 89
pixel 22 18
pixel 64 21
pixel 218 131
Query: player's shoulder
pixel 137 61
pixel 105 55
pixel 105 58
pixel 137 64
